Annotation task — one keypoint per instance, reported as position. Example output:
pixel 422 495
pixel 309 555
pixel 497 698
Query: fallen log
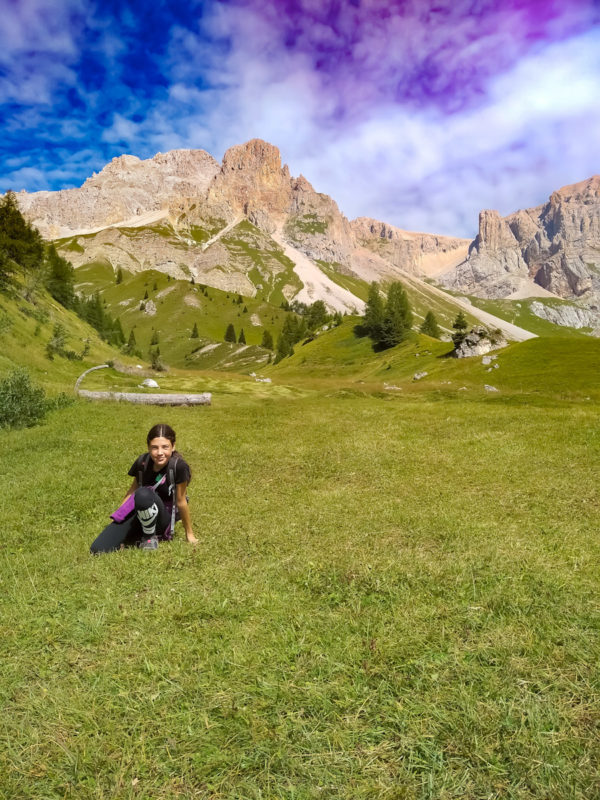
pixel 203 399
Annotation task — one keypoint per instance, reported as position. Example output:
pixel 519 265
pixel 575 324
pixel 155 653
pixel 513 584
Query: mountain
pixel 551 249
pixel 246 226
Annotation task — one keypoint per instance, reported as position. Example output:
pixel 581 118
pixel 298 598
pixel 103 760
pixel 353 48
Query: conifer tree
pixel 131 345
pixel 195 333
pixel 119 276
pixel 60 277
pixel 20 242
pixel 267 340
pixel 430 326
pixel 460 326
pixel 241 337
pixel 154 339
pixel 374 309
pixel 316 316
pixel 397 317
pixel 118 336
pixel 230 333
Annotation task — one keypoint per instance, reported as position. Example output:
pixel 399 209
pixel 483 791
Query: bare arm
pixel 132 489
pixel 184 513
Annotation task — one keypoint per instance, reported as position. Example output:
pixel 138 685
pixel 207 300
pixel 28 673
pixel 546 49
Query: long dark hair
pixel 163 430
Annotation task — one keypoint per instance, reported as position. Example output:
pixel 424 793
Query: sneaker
pixel 149 544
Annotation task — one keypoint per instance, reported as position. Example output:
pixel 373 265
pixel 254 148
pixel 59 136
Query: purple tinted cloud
pixel 419 53
pixel 419 112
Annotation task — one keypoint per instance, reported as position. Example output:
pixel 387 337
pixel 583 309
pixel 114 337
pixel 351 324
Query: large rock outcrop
pixel 127 189
pixel 418 253
pixel 186 215
pixel 555 247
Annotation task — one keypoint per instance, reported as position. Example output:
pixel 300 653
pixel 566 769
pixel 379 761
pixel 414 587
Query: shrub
pixel 22 404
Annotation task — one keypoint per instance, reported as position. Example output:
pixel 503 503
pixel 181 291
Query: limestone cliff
pixel 555 247
pixel 126 190
pixel 418 253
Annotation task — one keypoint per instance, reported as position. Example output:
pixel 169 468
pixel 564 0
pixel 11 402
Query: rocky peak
pixel 127 188
pixel 555 247
pixel 255 156
pixel 494 233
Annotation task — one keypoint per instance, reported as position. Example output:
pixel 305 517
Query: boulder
pixel 478 342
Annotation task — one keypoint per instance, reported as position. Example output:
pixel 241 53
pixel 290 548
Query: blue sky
pixel 416 112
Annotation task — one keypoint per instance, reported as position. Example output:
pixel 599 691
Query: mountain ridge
pixel 554 247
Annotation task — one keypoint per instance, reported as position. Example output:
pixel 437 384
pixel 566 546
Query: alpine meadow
pixel 343 261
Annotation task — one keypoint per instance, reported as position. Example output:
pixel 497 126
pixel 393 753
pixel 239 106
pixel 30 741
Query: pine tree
pixel 119 276
pixel 316 316
pixel 195 333
pixel 430 326
pixel 118 336
pixel 60 278
pixel 241 337
pixel 131 345
pixel 460 326
pixel 20 242
pixel 397 317
pixel 374 309
pixel 146 294
pixel 230 333
pixel 267 340
pixel 290 334
pixel 154 339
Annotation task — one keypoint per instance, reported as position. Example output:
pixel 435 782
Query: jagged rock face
pixel 566 315
pixel 126 188
pixel 417 253
pixel 252 183
pixel 556 245
pixel 173 213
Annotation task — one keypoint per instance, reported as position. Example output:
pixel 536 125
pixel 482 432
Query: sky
pixel 419 113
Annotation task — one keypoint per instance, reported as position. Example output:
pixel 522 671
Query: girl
pixel 157 492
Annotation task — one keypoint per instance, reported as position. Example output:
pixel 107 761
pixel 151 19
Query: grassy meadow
pixel 393 596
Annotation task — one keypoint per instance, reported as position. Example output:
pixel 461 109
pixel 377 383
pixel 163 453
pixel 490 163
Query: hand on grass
pixel 191 538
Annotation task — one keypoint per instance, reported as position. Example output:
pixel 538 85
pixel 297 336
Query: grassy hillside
pixel 519 313
pixel 27 326
pixel 179 305
pixel 559 367
pixel 389 599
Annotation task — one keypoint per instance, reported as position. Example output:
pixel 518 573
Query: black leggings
pixel 149 519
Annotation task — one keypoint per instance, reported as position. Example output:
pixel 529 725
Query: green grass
pixel 357 286
pixel 180 305
pixel 263 261
pixel 519 313
pixel 25 329
pixel 560 368
pixel 390 598
pixel 306 223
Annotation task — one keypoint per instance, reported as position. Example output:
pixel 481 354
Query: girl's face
pixel 160 450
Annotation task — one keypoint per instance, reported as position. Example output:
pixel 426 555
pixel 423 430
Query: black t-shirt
pixel 149 477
